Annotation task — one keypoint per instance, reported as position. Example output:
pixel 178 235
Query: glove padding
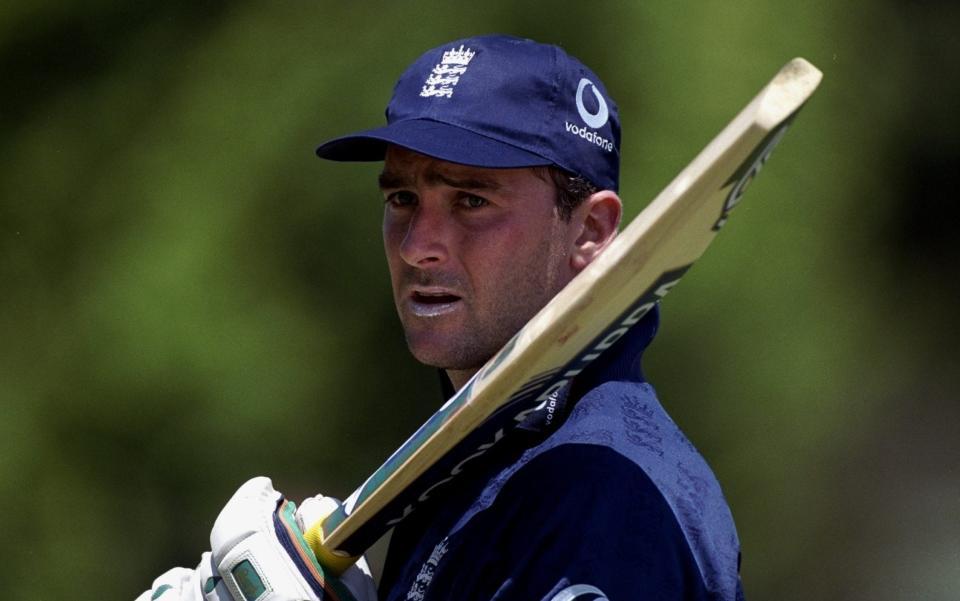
pixel 181 584
pixel 259 554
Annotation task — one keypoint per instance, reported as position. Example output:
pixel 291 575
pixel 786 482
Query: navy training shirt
pixel 613 503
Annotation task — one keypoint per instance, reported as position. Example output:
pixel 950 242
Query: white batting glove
pixel 259 554
pixel 181 584
pixel 259 550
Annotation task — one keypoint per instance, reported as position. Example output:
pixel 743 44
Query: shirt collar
pixel 621 362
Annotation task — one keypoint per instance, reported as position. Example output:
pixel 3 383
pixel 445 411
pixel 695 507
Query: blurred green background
pixel 188 297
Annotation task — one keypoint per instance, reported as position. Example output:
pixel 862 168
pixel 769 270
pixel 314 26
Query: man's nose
pixel 425 242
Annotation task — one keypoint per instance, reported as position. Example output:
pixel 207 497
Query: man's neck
pixel 459 377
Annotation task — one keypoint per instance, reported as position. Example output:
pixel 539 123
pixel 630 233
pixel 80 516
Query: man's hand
pixel 259 554
pixel 181 584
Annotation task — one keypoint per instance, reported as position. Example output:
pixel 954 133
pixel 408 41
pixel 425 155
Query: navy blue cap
pixel 498 101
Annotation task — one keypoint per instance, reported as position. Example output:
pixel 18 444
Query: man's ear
pixel 598 218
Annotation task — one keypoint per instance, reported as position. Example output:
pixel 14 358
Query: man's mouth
pixel 429 303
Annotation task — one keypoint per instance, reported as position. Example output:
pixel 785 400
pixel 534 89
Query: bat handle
pixel 334 562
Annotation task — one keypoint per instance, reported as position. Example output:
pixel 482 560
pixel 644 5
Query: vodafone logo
pixel 580 592
pixel 594 120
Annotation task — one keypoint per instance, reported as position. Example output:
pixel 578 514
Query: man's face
pixel 473 254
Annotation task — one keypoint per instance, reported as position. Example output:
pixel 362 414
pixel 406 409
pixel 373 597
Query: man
pixel 501 166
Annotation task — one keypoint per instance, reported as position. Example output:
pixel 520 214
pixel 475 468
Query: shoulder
pixel 621 457
pixel 611 499
pixel 628 419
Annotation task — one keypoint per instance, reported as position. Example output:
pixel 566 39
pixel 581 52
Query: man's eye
pixel 401 198
pixel 474 202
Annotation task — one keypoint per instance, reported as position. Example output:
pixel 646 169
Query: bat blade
pixel 595 309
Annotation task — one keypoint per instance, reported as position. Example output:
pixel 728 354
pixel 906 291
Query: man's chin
pixel 450 357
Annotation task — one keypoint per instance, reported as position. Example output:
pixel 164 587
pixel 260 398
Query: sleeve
pixel 582 522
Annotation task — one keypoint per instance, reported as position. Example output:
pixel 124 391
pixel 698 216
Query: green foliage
pixel 190 298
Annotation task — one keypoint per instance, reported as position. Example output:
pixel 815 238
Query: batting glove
pixel 260 554
pixel 181 584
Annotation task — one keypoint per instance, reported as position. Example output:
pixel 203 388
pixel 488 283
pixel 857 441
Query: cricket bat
pixel 588 316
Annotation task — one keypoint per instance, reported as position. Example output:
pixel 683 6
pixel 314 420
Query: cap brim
pixel 432 138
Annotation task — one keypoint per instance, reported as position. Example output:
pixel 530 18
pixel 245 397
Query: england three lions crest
pixel 445 76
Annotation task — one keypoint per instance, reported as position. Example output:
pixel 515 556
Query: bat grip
pixel 334 562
